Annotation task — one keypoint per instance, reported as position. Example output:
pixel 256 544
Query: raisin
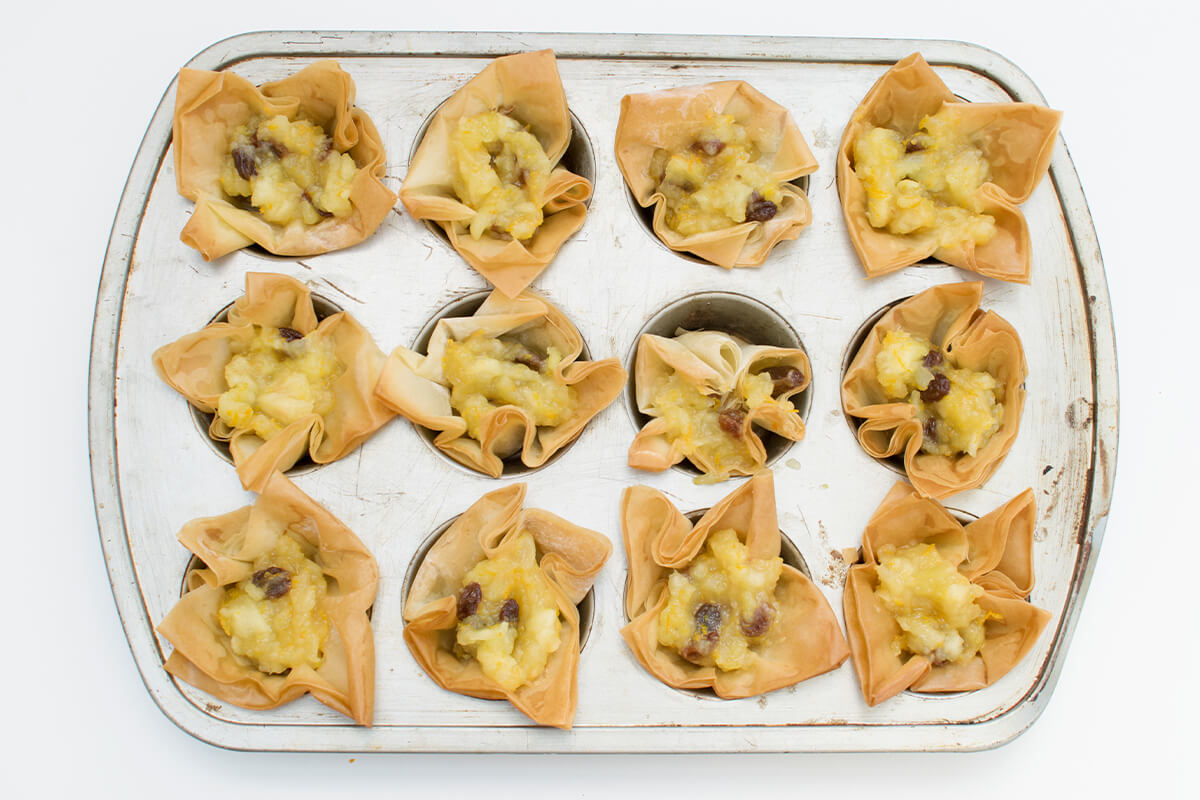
pixel 244 163
pixel 708 617
pixel 274 581
pixel 933 358
pixel 277 148
pixel 785 378
pixel 730 420
pixel 290 334
pixel 929 428
pixel 510 611
pixel 760 623
pixel 710 147
pixel 759 209
pixel 530 359
pixel 912 146
pixel 938 388
pixel 701 646
pixel 468 600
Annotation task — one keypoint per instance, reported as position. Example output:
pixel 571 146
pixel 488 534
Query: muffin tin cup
pixel 151 474
pixel 727 312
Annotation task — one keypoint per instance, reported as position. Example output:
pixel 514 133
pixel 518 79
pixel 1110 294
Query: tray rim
pixel 135 619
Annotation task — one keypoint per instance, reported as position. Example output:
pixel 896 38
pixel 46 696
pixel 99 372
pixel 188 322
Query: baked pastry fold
pixel 568 556
pixel 1016 140
pixel 948 316
pixel 669 121
pixel 714 363
pixel 416 387
pixel 659 539
pixel 228 546
pixel 209 106
pixel 995 552
pixel 527 87
pixel 194 366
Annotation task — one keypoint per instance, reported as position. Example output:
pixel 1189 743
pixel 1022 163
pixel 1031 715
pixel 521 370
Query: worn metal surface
pixel 152 470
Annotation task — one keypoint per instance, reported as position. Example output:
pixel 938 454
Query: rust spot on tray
pixel 1079 414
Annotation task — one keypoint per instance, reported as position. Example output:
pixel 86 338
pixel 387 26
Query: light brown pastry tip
pixel 527 87
pixel 949 316
pixel 659 540
pixel 669 121
pixel 228 545
pixel 415 385
pixel 209 106
pixel 1016 140
pixel 568 556
pixel 994 552
pixel 194 366
pixel 715 363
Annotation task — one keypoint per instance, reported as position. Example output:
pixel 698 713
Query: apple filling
pixel 713 426
pixel 932 602
pixel 501 172
pixel 278 377
pixel 508 620
pixel 717 181
pixel 289 170
pixel 274 617
pixel 925 182
pixel 959 409
pixel 485 373
pixel 721 605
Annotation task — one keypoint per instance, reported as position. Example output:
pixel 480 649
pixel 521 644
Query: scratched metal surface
pixel 152 471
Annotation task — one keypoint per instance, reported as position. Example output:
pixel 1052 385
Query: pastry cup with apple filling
pixel 714 605
pixel 491 611
pixel 936 606
pixel 487 171
pixel 921 173
pixel 500 382
pixel 293 165
pixel 715 161
pixel 705 391
pixel 279 607
pixel 278 383
pixel 941 381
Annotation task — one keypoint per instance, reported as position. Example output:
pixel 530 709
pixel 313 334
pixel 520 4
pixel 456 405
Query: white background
pixel 82 84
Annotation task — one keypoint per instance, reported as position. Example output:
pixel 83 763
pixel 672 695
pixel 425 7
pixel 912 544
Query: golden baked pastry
pixel 936 606
pixel 279 384
pixel 279 607
pixel 293 165
pixel 713 605
pixel 487 171
pixel 921 173
pixel 500 382
pixel 715 162
pixel 491 610
pixel 941 381
pixel 706 390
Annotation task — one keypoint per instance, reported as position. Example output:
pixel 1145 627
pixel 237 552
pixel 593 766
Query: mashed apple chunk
pixel 721 605
pixel 717 181
pixel 274 617
pixel 486 372
pixel 714 424
pixel 507 617
pixel 925 182
pixel 280 376
pixel 932 602
pixel 289 170
pixel 501 172
pixel 959 409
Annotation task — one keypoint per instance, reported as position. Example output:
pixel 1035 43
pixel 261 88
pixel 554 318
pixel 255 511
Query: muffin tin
pixel 153 469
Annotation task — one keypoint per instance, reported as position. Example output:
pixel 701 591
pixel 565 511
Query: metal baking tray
pixel 153 469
